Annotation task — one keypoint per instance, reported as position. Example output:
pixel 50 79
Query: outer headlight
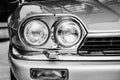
pixel 35 32
pixel 68 33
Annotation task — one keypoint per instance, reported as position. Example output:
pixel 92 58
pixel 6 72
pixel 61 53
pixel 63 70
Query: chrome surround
pixel 103 34
pixel 22 27
pixel 55 26
pixel 84 29
pixel 62 57
pixel 70 56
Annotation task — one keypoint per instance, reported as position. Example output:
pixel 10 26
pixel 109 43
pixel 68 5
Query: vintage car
pixel 65 40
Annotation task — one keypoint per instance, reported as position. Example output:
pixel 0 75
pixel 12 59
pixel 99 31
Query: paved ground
pixel 4 65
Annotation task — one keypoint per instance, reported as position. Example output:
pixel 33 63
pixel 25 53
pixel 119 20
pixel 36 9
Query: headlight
pixel 35 32
pixel 68 33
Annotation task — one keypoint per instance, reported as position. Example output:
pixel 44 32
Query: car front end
pixel 64 40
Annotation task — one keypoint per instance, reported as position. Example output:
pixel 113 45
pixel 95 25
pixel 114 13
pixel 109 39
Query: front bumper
pixel 77 70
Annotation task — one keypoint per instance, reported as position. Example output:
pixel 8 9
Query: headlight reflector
pixel 68 33
pixel 35 32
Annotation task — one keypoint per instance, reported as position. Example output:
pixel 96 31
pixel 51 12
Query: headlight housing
pixel 68 32
pixel 34 32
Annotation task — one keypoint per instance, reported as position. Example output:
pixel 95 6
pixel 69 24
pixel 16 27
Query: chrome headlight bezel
pixel 22 28
pixel 62 20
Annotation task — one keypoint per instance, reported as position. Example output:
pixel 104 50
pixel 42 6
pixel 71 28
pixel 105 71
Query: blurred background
pixel 6 8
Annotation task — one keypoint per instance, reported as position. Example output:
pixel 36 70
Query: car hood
pixel 95 15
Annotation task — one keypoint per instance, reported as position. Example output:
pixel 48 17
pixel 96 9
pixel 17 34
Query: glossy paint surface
pixel 95 15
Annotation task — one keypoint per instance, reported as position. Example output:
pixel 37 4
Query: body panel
pixel 96 19
pixel 84 70
pixel 101 15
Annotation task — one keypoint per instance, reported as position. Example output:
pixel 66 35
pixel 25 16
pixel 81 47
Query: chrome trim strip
pixel 67 57
pixel 104 34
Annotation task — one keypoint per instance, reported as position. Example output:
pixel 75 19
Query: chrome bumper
pixel 77 70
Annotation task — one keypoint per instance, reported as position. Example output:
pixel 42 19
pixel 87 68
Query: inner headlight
pixel 68 33
pixel 35 32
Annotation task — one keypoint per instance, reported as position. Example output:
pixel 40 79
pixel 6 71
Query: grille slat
pixel 103 41
pixel 96 43
pixel 101 44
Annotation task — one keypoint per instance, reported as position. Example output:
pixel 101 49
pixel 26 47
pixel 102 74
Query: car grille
pixel 106 45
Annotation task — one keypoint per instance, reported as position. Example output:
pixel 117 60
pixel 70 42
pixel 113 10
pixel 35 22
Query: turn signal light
pixel 49 74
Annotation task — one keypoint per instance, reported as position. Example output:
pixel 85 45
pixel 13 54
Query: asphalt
pixel 4 64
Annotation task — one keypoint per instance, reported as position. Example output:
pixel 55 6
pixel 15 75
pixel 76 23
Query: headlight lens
pixel 35 32
pixel 68 33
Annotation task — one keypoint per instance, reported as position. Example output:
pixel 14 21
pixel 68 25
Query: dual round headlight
pixel 35 32
pixel 67 33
